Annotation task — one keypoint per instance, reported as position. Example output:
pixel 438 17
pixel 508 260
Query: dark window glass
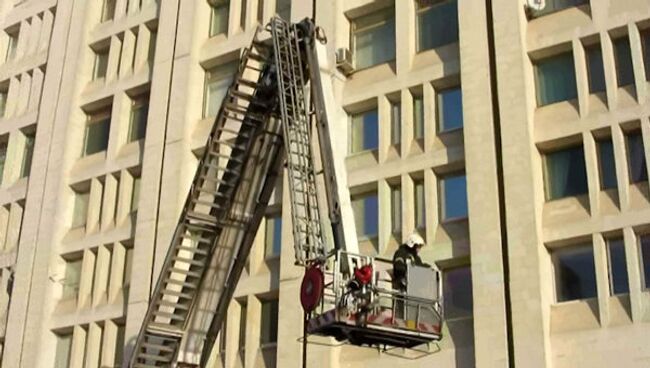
pixel 607 164
pixel 364 131
pixel 138 121
pixel 97 131
pixel 219 17
pixel 556 79
pixel 450 109
pixel 101 64
pixel 243 311
pixel 396 208
pixel 269 328
pixel 28 154
pixel 553 6
pixel 623 57
pixel 454 197
pixel 283 9
pixel 595 69
pixel 636 156
pixel 273 236
pixel 420 205
pixel 565 173
pixel 645 259
pixel 395 122
pixel 575 273
pixel 418 117
pixel 108 12
pixel 366 215
pixel 618 282
pixel 3 159
pixel 457 292
pixel 437 24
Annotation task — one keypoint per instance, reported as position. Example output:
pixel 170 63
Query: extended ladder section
pixel 226 201
pixel 296 123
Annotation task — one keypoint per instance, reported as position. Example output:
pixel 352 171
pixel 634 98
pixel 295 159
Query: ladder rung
pixel 209 165
pixel 228 157
pixel 158 347
pixel 186 284
pixel 230 144
pixel 155 329
pixel 207 203
pixel 171 316
pixel 196 250
pixel 177 294
pixel 157 358
pixel 165 303
pixel 189 261
pixel 185 272
pixel 201 217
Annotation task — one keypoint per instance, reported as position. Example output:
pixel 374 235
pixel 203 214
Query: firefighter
pixel 407 253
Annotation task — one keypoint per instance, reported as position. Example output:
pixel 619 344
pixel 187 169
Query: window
pixel 12 45
pixel 556 79
pixel 119 345
pixel 72 279
pixel 638 169
pixel 595 70
pixel 457 292
pixel 437 23
pixel 623 58
pixel 242 15
pixel 217 81
pixel 135 194
pixel 3 102
pixel 553 6
pixel 151 52
pixel 98 128
pixel 3 158
pixel 364 131
pixel 108 11
pixel 260 11
pixel 243 311
pixel 138 119
pixel 618 283
pixel 63 349
pixel 396 209
pixel 80 209
pixel 101 64
pixel 644 245
pixel 454 197
pixel 366 215
pixel 219 17
pixel 28 154
pixel 565 173
pixel 575 275
pixel 606 164
pixel 283 9
pixel 418 117
pixel 645 44
pixel 269 325
pixel 395 123
pixel 128 267
pixel 450 109
pixel 373 38
pixel 420 206
pixel 223 332
pixel 273 236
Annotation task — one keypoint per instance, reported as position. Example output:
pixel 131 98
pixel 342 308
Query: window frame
pixel 97 65
pixel 383 21
pixel 140 101
pixel 618 61
pixel 610 269
pixel 590 52
pixel 645 276
pixel 546 176
pixel 601 170
pixel 269 303
pixel 636 134
pixel 352 124
pixel 537 75
pixel 443 198
pixel 440 111
pixel 420 11
pixel 363 196
pixel 12 44
pixel 28 155
pixel 105 14
pixel 272 218
pixel 102 116
pixel 83 220
pixel 219 5
pixel 571 249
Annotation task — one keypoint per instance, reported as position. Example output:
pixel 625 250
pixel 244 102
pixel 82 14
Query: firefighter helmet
pixel 414 240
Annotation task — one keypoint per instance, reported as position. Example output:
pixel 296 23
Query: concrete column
pixel 36 90
pixel 4 226
pixel 384 128
pixel 128 53
pixel 23 40
pixel 430 118
pixel 34 35
pixel 408 205
pixel 622 178
pixel 117 272
pixel 645 132
pixel 407 122
pixel 609 67
pixel 637 62
pixel 632 261
pixel 111 187
pixel 602 278
pixel 404 51
pixel 125 191
pixel 13 230
pixel 78 347
pixel 114 52
pixel 23 94
pixel 582 77
pixel 108 346
pixel 94 205
pixel 102 268
pixel 86 279
pixel 46 30
pixel 93 345
pixel 432 203
pixel 384 224
pixel 591 163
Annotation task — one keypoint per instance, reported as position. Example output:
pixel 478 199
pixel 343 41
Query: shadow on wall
pixel 461 333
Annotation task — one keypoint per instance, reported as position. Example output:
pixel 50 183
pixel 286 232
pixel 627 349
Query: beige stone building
pixel 514 140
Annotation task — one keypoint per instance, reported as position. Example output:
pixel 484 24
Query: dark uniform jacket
pixel 403 255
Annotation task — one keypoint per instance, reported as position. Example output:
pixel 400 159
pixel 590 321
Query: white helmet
pixel 414 240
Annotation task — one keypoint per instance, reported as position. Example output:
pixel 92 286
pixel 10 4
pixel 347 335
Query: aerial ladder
pixel 267 120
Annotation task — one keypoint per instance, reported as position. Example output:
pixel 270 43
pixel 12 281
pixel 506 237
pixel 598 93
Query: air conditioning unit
pixel 344 60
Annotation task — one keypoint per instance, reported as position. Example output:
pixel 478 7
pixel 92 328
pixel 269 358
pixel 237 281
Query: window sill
pixel 454 220
pixel 369 67
pixel 574 315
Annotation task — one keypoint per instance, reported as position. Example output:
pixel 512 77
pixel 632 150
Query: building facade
pixel 514 140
